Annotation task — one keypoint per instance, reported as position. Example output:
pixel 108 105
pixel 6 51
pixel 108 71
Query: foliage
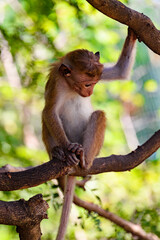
pixel 34 34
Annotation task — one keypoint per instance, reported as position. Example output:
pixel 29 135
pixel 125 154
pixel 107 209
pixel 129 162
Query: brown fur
pixel 68 121
pixel 70 128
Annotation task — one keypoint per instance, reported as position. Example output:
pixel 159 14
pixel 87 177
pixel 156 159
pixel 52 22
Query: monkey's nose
pixel 90 92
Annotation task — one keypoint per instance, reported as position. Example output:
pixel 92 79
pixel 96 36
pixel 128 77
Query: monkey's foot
pixel 77 149
pixel 65 155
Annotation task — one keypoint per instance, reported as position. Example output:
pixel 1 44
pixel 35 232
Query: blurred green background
pixel 34 34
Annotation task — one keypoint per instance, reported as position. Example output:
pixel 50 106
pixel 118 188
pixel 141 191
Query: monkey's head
pixel 81 70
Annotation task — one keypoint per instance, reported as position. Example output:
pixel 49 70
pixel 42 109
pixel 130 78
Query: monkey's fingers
pixel 79 151
pixel 72 159
pixel 74 147
pixel 82 159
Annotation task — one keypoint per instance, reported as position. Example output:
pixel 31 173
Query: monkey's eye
pixel 67 72
pixel 90 74
pixel 87 85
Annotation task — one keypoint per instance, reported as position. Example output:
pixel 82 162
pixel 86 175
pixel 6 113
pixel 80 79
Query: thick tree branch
pixel 140 23
pixel 54 169
pixel 26 215
pixel 135 229
pixel 119 163
pixel 33 176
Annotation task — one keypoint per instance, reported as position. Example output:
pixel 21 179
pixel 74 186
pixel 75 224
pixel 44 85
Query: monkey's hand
pixel 65 155
pixel 77 149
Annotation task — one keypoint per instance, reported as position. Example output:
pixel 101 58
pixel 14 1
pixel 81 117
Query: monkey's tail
pixel 67 203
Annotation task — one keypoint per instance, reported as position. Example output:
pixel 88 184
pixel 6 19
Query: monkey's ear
pixel 65 70
pixel 97 55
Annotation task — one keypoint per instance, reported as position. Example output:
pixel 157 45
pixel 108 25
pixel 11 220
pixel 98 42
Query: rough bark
pixel 140 23
pixel 26 215
pixel 31 177
pixel 120 163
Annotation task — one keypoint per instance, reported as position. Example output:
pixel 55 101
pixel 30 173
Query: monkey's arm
pixel 54 125
pixel 122 69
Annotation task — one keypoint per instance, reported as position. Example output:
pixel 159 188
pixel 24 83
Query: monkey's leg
pixel 94 136
pixel 67 203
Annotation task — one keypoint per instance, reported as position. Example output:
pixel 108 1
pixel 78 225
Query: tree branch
pixel 26 215
pixel 31 177
pixel 119 163
pixel 140 23
pixel 135 229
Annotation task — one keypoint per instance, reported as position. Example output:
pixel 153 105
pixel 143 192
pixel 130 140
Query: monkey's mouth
pixel 81 92
pixel 84 94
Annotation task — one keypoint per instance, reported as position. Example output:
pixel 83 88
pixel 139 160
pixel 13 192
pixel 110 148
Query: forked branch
pixel 26 215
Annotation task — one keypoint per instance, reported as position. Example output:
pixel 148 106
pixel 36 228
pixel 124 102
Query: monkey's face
pixel 84 86
pixel 81 82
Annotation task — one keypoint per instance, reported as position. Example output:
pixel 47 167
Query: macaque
pixel 71 130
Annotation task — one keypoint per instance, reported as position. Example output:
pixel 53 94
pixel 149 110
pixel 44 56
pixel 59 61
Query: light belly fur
pixel 75 116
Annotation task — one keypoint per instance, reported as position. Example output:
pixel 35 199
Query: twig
pixel 134 229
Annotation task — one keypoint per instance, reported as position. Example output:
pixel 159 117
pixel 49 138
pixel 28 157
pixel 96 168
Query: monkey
pixel 68 120
pixel 71 130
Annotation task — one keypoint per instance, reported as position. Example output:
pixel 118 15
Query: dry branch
pixel 54 169
pixel 134 229
pixel 140 23
pixel 26 215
